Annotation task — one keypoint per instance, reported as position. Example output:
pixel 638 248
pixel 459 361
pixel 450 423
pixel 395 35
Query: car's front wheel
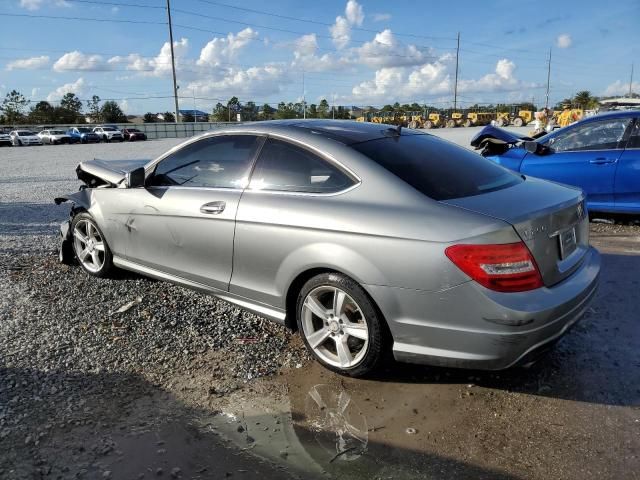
pixel 340 325
pixel 90 246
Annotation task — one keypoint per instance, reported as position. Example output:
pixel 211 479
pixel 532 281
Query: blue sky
pixel 364 52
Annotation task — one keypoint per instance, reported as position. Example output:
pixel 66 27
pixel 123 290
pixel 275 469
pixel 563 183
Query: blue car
pixel 600 154
pixel 82 135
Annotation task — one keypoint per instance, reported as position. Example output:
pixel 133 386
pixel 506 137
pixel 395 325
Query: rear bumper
pixel 469 326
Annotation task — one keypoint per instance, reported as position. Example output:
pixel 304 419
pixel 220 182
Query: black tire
pixel 107 269
pixel 376 325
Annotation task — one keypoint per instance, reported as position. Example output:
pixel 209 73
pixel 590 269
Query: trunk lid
pixel 550 218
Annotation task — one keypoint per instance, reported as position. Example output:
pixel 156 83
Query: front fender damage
pixel 81 201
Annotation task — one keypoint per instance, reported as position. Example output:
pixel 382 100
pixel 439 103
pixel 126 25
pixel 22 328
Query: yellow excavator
pixel 516 116
pixel 434 120
pixel 478 118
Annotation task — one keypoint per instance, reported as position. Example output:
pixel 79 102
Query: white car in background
pixel 5 139
pixel 24 137
pixel 109 134
pixel 54 137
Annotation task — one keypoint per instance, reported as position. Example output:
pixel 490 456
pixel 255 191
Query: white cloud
pixel 381 17
pixel 340 32
pixel 77 87
pixel 341 29
pixel 220 50
pixel 564 41
pixel 36 4
pixel 404 83
pixel 78 61
pixel 619 88
pixel 34 92
pixel 354 13
pixel 305 57
pixel 124 106
pixel 28 63
pixel 250 83
pixel 386 51
pixel 157 66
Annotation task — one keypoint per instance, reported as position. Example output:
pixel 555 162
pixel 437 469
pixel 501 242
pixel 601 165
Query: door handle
pixel 602 161
pixel 213 208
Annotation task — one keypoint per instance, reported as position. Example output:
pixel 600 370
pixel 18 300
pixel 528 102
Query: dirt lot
pixel 131 378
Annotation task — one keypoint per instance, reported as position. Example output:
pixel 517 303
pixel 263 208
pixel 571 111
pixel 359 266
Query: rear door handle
pixel 213 208
pixel 603 161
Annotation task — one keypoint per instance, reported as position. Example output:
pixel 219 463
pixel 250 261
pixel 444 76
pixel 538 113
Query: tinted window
pixel 601 135
pixel 439 169
pixel 634 141
pixel 221 162
pixel 289 168
pixel 83 130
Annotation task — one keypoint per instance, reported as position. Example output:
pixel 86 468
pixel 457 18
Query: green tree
pixel 42 113
pixel 234 106
pixel 112 113
pixel 13 107
pixel 220 113
pixel 149 118
pixel 169 117
pixel 267 112
pixel 312 111
pixel 249 112
pixel 93 107
pixel 584 100
pixel 188 118
pixel 324 109
pixel 71 103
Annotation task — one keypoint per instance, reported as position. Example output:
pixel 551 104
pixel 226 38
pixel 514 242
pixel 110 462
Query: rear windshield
pixel 438 169
pixel 84 130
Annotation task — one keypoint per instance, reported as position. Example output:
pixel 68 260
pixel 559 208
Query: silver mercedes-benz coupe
pixel 367 238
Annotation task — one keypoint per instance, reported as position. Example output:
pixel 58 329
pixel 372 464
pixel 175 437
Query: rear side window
pixel 288 168
pixel 438 169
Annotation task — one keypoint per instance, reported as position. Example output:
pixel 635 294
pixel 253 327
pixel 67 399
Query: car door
pixel 585 155
pixel 283 211
pixel 183 222
pixel 627 182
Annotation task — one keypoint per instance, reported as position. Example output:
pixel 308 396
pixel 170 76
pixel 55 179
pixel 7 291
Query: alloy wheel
pixel 335 327
pixel 89 245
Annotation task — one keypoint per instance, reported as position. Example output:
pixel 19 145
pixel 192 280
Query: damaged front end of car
pixel 95 174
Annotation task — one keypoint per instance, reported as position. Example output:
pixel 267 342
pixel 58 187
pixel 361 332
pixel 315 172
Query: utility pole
pixel 304 103
pixel 195 109
pixel 455 88
pixel 631 81
pixel 333 106
pixel 546 102
pixel 173 63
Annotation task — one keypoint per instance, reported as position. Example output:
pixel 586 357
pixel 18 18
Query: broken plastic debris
pixel 128 306
pixel 411 431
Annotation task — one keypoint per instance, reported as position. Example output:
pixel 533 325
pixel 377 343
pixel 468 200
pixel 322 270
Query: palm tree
pixel 583 99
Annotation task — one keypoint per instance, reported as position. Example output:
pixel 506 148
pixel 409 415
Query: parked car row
pixel 54 136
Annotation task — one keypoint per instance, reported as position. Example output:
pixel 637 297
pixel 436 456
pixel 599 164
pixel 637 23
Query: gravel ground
pixel 103 378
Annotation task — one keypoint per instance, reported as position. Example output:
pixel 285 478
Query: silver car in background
pixel 364 237
pixel 54 137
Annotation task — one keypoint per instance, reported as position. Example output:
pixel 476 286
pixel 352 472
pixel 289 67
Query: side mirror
pixel 532 146
pixel 134 178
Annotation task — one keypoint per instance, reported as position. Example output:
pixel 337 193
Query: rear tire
pixel 340 325
pixel 450 124
pixel 518 122
pixel 428 124
pixel 90 247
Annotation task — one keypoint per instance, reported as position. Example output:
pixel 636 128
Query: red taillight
pixel 507 267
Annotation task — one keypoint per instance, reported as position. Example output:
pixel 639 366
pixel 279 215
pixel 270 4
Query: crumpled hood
pixel 100 172
pixel 494 133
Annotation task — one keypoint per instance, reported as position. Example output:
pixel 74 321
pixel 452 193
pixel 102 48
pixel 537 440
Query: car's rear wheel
pixel 340 325
pixel 90 246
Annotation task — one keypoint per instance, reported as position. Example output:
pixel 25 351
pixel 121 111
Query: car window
pixel 634 140
pixel 437 168
pixel 215 162
pixel 598 135
pixel 288 168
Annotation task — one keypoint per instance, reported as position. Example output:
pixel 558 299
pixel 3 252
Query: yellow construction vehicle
pixel 478 118
pixel 435 120
pixel 415 121
pixel 455 120
pixel 515 116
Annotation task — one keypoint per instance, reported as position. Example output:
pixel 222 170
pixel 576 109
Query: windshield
pixel 25 133
pixel 109 129
pixel 437 168
pixel 57 132
pixel 84 130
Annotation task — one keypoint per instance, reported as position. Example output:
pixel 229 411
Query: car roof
pixel 616 114
pixel 348 132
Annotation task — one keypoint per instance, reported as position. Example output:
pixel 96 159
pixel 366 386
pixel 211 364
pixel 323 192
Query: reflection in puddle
pixel 338 424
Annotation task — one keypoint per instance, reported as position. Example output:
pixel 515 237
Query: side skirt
pixel 267 311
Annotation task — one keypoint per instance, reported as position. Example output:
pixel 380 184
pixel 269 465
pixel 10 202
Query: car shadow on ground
pixel 597 361
pixel 81 425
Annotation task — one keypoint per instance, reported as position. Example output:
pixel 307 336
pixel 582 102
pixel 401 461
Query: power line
pixel 84 19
